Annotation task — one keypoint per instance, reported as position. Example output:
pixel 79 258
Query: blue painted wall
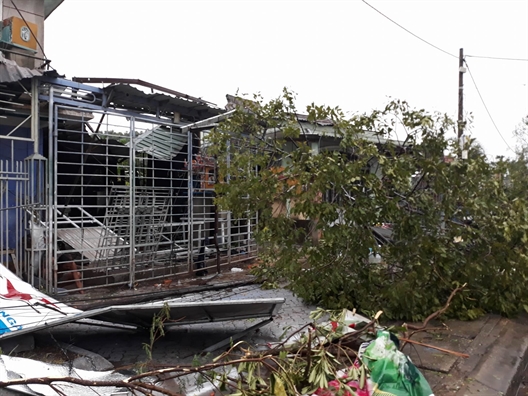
pixel 21 150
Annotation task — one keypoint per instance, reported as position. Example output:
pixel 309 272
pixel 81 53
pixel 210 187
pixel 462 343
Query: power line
pixel 408 31
pixel 497 58
pixel 486 107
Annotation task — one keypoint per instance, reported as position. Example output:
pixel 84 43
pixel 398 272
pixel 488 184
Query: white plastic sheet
pixel 14 368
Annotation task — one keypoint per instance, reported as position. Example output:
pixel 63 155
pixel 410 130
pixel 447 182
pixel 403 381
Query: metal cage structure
pixel 117 189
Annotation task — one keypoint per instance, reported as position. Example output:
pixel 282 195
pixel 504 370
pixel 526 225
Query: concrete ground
pixel 523 389
pixel 497 347
pixel 498 356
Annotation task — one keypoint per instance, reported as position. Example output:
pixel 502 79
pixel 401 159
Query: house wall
pixel 33 12
pixel 13 193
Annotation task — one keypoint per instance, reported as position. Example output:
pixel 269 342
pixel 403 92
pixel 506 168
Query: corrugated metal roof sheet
pixel 51 312
pixel 323 122
pixel 142 83
pixel 131 98
pixel 161 143
pixel 329 132
pixel 11 72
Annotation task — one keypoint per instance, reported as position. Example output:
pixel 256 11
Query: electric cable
pixel 497 58
pixel 486 107
pixel 408 31
pixel 438 48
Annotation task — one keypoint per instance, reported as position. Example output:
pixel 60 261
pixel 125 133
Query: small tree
pixel 452 221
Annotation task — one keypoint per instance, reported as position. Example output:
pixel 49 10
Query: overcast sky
pixel 330 52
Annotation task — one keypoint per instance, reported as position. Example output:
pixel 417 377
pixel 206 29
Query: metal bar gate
pixel 132 200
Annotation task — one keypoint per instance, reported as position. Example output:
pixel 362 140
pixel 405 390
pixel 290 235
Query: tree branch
pixel 144 388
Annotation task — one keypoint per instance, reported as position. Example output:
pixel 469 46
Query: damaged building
pixel 104 181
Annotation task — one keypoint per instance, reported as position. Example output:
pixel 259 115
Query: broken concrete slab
pixel 498 356
pixel 506 359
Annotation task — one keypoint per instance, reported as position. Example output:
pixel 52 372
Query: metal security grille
pixel 133 201
pixel 13 181
pixel 23 235
pixel 150 208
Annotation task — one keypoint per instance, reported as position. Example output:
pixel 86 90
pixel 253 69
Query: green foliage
pixel 157 329
pixel 306 361
pixel 457 222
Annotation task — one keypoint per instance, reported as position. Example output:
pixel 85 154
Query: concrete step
pixel 498 357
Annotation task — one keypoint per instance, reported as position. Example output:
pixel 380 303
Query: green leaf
pixel 278 388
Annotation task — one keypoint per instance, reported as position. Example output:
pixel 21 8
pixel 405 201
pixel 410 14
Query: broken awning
pixel 10 71
pixel 23 309
pixel 161 143
pixel 140 315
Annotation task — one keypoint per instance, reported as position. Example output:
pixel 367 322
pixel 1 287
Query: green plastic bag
pixel 391 371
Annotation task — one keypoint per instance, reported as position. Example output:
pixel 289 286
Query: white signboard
pixel 25 309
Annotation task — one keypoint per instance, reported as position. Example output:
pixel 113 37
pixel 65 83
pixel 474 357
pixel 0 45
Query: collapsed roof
pixel 121 93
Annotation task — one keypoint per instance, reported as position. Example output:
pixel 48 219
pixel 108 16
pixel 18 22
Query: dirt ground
pixel 53 354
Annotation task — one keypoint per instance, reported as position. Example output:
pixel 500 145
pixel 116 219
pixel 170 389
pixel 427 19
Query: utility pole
pixel 461 71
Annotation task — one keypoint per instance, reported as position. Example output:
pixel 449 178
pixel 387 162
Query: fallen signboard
pixel 23 309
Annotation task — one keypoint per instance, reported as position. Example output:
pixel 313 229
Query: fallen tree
pixel 334 354
pixel 325 187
